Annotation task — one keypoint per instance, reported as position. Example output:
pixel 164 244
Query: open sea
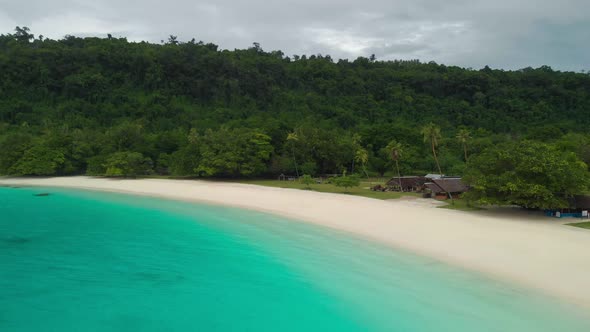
pixel 87 261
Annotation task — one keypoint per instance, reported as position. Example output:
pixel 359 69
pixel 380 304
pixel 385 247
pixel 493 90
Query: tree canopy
pixel 529 174
pixel 93 105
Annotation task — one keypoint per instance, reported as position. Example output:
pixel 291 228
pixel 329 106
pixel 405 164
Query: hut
pixel 408 183
pixel 442 187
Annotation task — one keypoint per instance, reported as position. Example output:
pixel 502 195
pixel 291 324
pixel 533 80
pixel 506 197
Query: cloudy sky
pixel 508 34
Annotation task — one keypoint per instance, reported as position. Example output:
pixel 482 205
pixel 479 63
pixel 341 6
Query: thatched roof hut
pixel 447 185
pixel 408 183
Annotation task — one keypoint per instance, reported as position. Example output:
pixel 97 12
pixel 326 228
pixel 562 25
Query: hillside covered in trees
pixel 110 106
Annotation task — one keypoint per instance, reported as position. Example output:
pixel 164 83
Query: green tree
pixel 529 174
pixel 40 159
pixel 356 146
pixel 186 159
pixel 234 152
pixel 292 139
pixel 362 156
pixel 346 181
pixel 127 164
pixel 23 35
pixel 431 134
pixel 395 150
pixel 12 147
pixel 307 180
pixel 463 136
pixel 92 97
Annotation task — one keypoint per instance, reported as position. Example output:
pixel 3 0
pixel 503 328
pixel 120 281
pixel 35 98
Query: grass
pixel 581 224
pixel 460 204
pixel 362 190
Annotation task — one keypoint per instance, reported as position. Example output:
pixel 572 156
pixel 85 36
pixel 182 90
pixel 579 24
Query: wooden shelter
pixel 442 187
pixel 408 183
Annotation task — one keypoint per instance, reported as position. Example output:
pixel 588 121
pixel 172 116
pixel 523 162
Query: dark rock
pixel 17 240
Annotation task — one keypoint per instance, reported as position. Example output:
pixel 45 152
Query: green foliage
pixel 362 157
pixel 234 152
pixel 307 180
pixel 431 134
pixel 12 148
pixel 39 159
pixel 127 164
pixel 186 160
pixel 529 174
pixel 464 136
pixel 346 181
pixel 96 165
pixel 309 167
pixel 66 106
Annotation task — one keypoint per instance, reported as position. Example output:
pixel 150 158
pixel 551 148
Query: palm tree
pixel 395 150
pixel 356 145
pixel 362 156
pixel 292 137
pixel 431 133
pixel 463 136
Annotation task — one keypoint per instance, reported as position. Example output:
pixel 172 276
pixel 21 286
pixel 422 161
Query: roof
pixel 407 181
pixel 433 187
pixel 451 185
pixel 433 176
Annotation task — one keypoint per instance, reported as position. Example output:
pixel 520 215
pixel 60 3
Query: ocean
pixel 78 260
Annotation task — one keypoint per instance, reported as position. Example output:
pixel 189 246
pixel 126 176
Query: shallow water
pixel 87 261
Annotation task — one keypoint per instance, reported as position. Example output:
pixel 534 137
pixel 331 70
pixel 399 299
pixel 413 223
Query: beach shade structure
pixel 442 187
pixel 408 183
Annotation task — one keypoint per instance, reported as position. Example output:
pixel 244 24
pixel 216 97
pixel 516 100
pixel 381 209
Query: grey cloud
pixel 502 33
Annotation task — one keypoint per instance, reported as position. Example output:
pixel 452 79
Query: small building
pixel 442 187
pixel 408 183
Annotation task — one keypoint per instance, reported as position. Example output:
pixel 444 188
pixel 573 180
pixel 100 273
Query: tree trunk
pixel 295 161
pixel 436 159
pixel 465 151
pixel 399 177
pixel 365 170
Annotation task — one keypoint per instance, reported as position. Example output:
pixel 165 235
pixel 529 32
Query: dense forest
pixel 107 106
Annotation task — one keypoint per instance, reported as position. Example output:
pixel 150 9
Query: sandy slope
pixel 541 254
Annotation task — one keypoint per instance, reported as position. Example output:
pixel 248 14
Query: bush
pixel 347 181
pixel 127 164
pixel 309 167
pixel 528 174
pixel 307 180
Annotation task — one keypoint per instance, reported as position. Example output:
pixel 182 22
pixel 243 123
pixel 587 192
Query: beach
pixel 537 253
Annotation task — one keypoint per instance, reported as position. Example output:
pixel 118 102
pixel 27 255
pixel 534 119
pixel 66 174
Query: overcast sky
pixel 508 34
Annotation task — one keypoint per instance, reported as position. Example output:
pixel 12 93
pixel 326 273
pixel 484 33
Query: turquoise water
pixel 86 261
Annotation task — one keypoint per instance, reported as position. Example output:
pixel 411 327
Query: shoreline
pixel 542 255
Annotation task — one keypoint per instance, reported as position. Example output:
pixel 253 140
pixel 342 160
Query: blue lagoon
pixel 88 261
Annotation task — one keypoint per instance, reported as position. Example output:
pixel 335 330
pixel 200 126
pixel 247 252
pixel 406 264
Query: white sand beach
pixel 539 253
